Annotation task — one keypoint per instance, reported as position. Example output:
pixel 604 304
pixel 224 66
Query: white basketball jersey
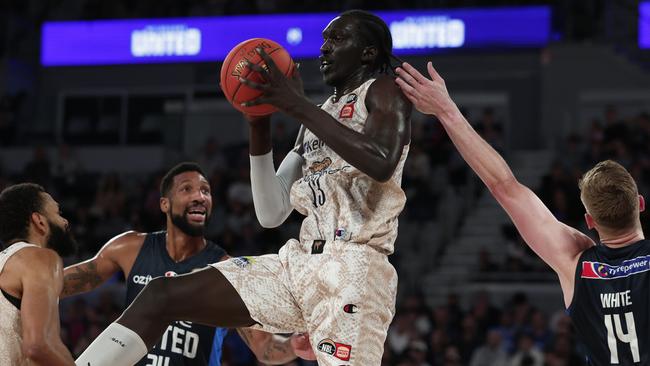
pixel 340 201
pixel 10 326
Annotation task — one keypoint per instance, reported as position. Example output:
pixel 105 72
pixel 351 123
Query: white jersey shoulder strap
pixel 11 250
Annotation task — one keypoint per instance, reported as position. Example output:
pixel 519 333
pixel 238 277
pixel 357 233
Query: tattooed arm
pixel 274 349
pixel 117 255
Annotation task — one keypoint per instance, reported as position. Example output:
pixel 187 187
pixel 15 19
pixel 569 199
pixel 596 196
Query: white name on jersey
pixel 616 299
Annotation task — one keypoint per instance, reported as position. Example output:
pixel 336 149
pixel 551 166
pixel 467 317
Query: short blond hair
pixel 610 195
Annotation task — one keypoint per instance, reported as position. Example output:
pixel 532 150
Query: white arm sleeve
pixel 117 345
pixel 271 190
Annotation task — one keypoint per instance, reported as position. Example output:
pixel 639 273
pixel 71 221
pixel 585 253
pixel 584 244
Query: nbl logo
pixel 338 350
pixel 327 346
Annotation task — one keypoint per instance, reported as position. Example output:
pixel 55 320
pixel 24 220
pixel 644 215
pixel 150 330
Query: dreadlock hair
pixel 375 31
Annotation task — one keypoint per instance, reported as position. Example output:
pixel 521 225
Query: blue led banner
pixel 109 42
pixel 644 24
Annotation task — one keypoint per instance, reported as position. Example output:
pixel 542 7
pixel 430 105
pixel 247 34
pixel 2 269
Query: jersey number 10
pixel 629 337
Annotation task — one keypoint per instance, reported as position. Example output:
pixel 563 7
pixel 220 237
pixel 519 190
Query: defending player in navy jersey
pixel 187 202
pixel 605 285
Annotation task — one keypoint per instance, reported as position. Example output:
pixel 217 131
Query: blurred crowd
pixel 514 334
pixel 623 138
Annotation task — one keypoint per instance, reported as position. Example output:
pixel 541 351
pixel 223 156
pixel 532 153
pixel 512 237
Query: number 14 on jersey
pixel 615 334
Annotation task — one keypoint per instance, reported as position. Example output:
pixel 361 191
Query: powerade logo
pixel 604 271
pixel 428 32
pixel 165 40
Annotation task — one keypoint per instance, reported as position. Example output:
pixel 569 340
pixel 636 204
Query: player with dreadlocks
pixel 344 175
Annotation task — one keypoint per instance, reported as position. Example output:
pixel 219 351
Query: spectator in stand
pixel 39 170
pixel 491 353
pixel 526 354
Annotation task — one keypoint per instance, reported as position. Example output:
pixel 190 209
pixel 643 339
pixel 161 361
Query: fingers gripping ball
pixel 236 65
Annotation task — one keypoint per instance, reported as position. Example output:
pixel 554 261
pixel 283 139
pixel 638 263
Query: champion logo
pixel 342 234
pixel 171 274
pixel 350 308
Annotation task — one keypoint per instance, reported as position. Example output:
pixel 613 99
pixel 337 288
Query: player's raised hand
pixel 302 347
pixel 278 90
pixel 429 96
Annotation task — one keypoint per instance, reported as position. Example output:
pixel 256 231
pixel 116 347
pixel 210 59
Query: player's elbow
pixel 381 174
pixel 382 177
pixel 258 347
pixel 270 222
pixel 264 357
pixel 504 189
pixel 270 217
pixel 383 169
pixel 261 356
pixel 37 350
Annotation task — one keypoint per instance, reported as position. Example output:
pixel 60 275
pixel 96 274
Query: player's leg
pixel 350 327
pixel 237 292
pixel 204 297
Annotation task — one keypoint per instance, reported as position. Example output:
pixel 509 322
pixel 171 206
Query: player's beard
pixel 183 224
pixel 61 240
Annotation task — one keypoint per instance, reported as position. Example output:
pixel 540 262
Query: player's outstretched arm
pixel 110 259
pixel 42 280
pixel 276 350
pixel 557 244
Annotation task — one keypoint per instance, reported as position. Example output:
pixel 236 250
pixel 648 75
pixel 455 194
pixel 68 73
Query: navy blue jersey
pixel 184 343
pixel 610 305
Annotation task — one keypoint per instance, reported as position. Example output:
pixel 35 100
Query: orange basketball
pixel 234 67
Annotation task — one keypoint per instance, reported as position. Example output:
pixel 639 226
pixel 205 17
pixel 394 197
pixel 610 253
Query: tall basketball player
pixel 605 285
pixel 186 201
pixel 34 236
pixel 335 281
